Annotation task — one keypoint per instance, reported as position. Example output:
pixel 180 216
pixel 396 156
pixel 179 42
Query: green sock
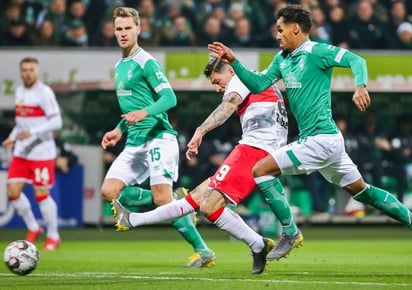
pixel 187 229
pixel 132 197
pixel 387 203
pixel 275 196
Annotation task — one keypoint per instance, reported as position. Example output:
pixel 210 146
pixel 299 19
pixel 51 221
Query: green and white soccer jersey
pixel 306 73
pixel 139 83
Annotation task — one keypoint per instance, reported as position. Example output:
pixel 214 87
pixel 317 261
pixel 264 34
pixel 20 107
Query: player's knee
pixel 207 208
pixel 355 187
pixel 161 199
pixel 12 193
pixel 109 192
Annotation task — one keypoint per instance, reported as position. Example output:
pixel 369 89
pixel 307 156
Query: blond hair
pixel 126 12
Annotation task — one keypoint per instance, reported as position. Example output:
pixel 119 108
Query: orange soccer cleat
pixel 51 244
pixel 33 235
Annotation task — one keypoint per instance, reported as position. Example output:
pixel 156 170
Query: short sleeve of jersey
pixel 236 86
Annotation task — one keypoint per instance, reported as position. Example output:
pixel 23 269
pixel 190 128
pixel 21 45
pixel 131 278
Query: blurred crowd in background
pixel 354 24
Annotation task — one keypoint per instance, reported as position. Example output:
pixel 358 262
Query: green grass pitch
pixel 364 257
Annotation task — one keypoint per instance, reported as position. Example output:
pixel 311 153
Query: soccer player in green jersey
pixel 306 69
pixel 151 150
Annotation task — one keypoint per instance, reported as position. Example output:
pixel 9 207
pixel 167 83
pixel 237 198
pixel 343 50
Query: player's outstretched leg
pixel 203 256
pixel 182 192
pixel 387 203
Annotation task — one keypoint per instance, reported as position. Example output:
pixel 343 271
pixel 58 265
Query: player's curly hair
pixel 296 14
pixel 126 12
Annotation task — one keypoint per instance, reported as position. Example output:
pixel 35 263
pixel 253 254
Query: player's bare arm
pixel 361 98
pixel 221 51
pixel 111 138
pixel 215 119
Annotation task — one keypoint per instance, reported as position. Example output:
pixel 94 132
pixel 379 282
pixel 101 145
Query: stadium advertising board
pixel 93 69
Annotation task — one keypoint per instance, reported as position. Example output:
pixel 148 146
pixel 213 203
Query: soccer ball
pixel 21 257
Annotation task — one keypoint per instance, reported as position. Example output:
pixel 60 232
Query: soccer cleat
pixel 121 216
pixel 259 259
pixel 285 245
pixel 33 235
pixel 198 260
pixel 51 244
pixel 180 193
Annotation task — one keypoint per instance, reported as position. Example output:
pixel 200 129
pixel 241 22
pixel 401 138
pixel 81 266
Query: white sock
pixel 48 209
pixel 23 208
pixel 175 209
pixel 232 223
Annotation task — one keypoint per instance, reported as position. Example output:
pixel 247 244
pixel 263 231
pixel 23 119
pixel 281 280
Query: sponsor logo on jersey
pixel 120 91
pixel 291 82
pixel 29 111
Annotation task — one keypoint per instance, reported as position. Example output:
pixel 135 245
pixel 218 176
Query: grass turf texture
pixel 151 258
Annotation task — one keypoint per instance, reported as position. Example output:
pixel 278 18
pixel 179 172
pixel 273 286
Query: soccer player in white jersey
pixel 34 152
pixel 151 150
pixel 306 69
pixel 264 125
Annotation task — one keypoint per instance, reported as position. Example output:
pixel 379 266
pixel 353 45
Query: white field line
pixel 165 278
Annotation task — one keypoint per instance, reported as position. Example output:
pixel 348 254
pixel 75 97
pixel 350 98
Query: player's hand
pixel 134 117
pixel 193 145
pixel 23 134
pixel 111 138
pixel 361 98
pixel 219 50
pixel 8 143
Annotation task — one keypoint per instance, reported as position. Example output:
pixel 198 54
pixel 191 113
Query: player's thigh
pixel 19 170
pixel 162 193
pixel 234 177
pixel 163 160
pixel 266 166
pixel 343 172
pixel 309 155
pixel 130 167
pixel 14 188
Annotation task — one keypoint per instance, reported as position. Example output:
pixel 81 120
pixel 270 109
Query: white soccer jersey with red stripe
pixel 33 108
pixel 262 116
